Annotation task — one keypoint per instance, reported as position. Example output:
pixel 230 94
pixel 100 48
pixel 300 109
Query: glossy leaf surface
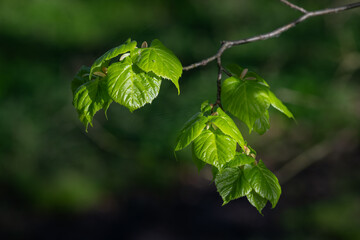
pixel 90 98
pixel 256 200
pixel 214 147
pixel 231 184
pixel 227 126
pixel 130 86
pixel 247 100
pixel 263 181
pixel 104 60
pixel 191 130
pixel 161 61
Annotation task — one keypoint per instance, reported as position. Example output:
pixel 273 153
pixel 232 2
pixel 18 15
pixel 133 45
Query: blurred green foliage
pixel 48 159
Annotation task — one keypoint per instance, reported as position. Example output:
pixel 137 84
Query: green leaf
pixel 262 124
pixel 199 164
pixel 237 71
pixel 276 103
pixel 191 130
pixel 205 107
pixel 80 78
pixel 263 181
pixel 160 60
pixel 104 60
pixel 227 126
pixel 247 100
pixel 256 200
pixel 90 98
pixel 130 86
pixel 214 147
pixel 240 159
pixel 231 184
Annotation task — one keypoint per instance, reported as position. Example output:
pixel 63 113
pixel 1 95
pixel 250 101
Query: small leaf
pixel 247 100
pixel 263 181
pixel 199 164
pixel 227 126
pixel 104 60
pixel 240 159
pixel 262 124
pixel 214 147
pixel 191 130
pixel 205 107
pixel 90 98
pixel 160 60
pixel 231 184
pixel 256 200
pixel 130 86
pixel 276 103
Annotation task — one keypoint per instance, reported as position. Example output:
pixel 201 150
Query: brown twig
pixel 294 6
pixel 275 33
pixel 228 44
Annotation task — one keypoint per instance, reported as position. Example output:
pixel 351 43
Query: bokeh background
pixel 121 180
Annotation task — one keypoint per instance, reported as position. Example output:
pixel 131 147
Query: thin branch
pixel 228 44
pixel 294 6
pixel 220 68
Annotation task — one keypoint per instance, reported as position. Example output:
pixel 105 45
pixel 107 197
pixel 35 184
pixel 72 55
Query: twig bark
pixel 275 33
pixel 228 44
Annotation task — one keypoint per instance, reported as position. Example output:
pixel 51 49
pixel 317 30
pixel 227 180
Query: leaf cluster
pixel 126 75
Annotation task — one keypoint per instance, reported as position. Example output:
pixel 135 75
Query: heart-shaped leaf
pixel 161 61
pixel 89 98
pixel 263 181
pixel 248 100
pixel 231 184
pixel 130 86
pixel 214 147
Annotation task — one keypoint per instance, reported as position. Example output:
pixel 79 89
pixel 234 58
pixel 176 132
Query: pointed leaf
pixel 231 184
pixel 227 126
pixel 90 98
pixel 191 130
pixel 214 148
pixel 263 181
pixel 240 159
pixel 276 103
pixel 104 60
pixel 256 200
pixel 160 60
pixel 205 107
pixel 262 124
pixel 199 164
pixel 247 100
pixel 130 86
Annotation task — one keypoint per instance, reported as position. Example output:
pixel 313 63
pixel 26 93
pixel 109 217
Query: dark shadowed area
pixel 121 179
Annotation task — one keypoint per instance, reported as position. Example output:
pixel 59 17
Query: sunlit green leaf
pixel 199 163
pixel 205 107
pixel 161 61
pixel 214 147
pixel 248 100
pixel 89 98
pixel 262 124
pixel 104 60
pixel 130 86
pixel 276 103
pixel 240 159
pixel 191 130
pixel 263 181
pixel 256 200
pixel 231 184
pixel 227 126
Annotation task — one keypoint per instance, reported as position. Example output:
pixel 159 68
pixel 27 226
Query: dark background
pixel 121 180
